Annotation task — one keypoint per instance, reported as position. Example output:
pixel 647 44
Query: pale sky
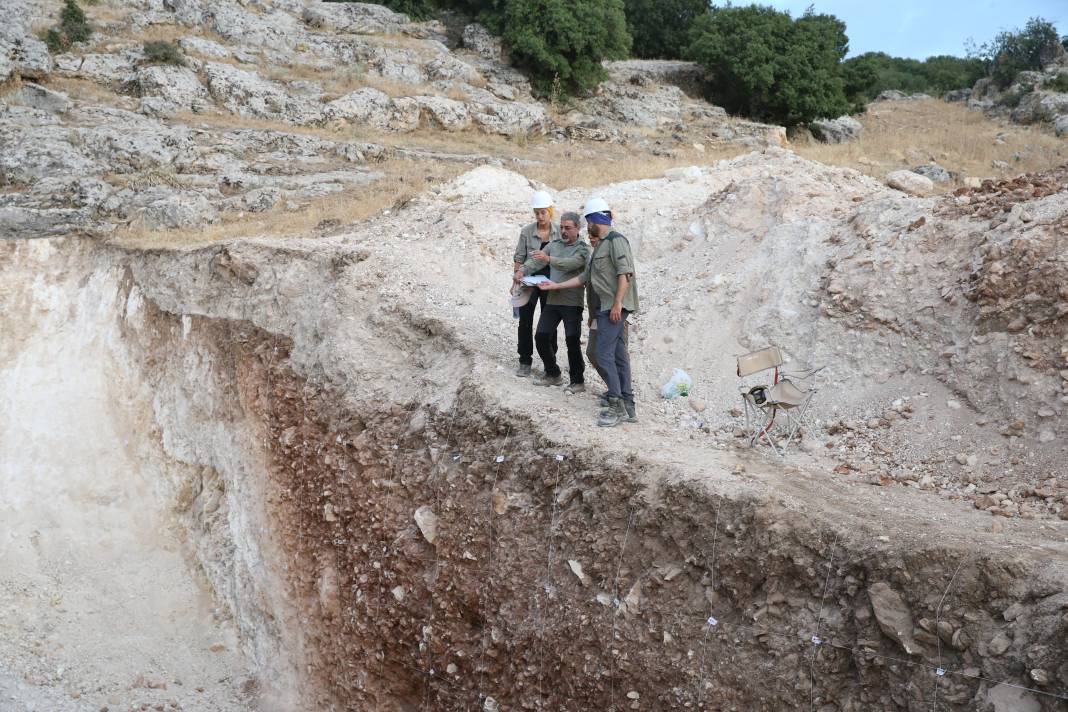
pixel 922 28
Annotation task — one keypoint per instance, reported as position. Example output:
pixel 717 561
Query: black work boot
pixel 614 414
pixel 632 411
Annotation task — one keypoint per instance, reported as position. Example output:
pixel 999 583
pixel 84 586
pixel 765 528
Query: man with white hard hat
pixel 533 237
pixel 611 272
pixel 593 304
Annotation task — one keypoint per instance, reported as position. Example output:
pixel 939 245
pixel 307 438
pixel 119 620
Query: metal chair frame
pixel 790 395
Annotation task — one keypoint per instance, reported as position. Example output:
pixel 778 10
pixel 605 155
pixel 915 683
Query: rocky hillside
pixel 1039 97
pixel 270 105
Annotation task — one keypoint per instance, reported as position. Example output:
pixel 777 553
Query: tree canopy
pixel 560 43
pixel 659 27
pixel 771 67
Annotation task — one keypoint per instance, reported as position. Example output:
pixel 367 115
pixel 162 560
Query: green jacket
pixel 565 261
pixel 612 258
pixel 529 241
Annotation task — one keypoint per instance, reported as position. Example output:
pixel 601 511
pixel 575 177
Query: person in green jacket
pixel 535 236
pixel 611 272
pixel 565 258
pixel 593 305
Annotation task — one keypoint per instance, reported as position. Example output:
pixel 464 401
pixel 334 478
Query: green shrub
pixel 770 67
pixel 564 41
pixel 1012 52
pixel 1012 99
pixel 1058 83
pixel 945 73
pixel 164 53
pixel 871 73
pixel 72 28
pixel 415 9
pixel 659 27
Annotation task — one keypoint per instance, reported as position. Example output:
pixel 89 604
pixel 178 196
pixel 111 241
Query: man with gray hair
pixel 611 272
pixel 565 257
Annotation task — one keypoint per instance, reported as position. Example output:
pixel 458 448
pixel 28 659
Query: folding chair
pixel 776 409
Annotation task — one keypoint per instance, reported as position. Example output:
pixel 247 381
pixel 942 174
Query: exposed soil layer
pixel 496 607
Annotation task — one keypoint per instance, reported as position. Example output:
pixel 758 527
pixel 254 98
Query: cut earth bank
pixel 389 520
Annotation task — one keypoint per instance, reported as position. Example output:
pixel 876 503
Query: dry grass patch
pixel 904 134
pixel 403 180
pixel 568 167
pixel 89 91
pixel 107 12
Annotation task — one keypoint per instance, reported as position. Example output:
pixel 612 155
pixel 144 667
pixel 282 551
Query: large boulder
pixel 126 142
pixel 891 95
pixel 1040 106
pixel 446 67
pixel 376 108
pixel 935 172
pixel 25 222
pixel 840 130
pixel 893 616
pixel 895 95
pixel 1060 125
pixel 178 210
pixel 204 47
pixel 273 29
pixel 32 153
pixel 650 107
pixel 688 76
pixel 41 98
pixel 248 94
pixel 448 114
pixel 909 182
pixel 509 119
pixel 21 54
pixel 479 40
pixel 110 70
pixel 178 87
pixel 356 18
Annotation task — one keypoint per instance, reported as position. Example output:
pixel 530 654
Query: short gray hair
pixel 573 217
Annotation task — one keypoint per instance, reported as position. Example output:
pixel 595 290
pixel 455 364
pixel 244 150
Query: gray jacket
pixel 529 241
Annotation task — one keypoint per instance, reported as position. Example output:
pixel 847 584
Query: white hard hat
pixel 595 205
pixel 541 199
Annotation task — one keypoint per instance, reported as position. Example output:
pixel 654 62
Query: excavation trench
pixel 413 553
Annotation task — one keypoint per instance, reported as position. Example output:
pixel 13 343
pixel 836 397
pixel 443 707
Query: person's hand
pixel 589 322
pixel 616 314
pixel 547 285
pixel 516 276
pixel 540 255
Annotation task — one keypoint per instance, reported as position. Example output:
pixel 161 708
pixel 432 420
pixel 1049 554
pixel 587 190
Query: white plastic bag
pixel 679 385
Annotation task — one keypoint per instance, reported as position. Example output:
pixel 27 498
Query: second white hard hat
pixel 541 199
pixel 595 205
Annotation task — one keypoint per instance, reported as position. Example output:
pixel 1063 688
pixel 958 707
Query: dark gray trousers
pixel 612 356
